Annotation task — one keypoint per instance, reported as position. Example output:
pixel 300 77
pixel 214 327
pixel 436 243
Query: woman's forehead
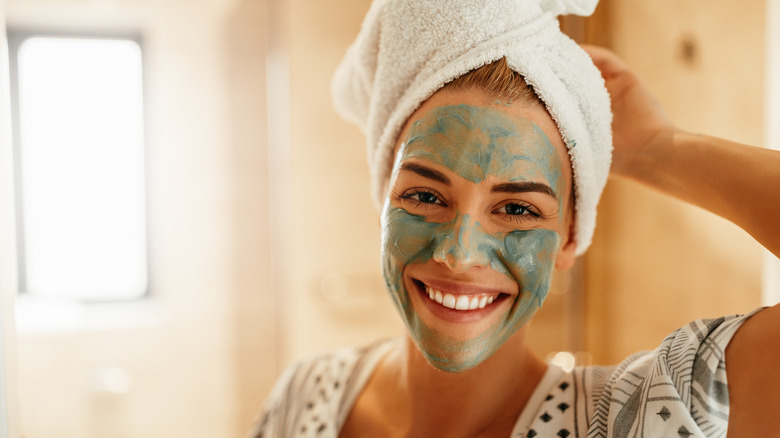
pixel 478 141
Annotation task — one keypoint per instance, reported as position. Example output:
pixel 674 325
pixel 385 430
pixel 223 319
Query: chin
pixel 453 355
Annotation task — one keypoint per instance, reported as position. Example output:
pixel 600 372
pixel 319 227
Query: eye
pixel 423 198
pixel 518 211
pixel 427 198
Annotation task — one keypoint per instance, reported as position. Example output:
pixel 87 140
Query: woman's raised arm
pixel 738 182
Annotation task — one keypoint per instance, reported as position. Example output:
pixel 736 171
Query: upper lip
pixel 460 288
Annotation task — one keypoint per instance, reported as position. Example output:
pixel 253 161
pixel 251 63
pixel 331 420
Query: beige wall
pixel 253 314
pixel 657 263
pixel 199 355
pixel 333 226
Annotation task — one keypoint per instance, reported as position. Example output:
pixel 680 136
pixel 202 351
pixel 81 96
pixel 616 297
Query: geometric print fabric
pixel 677 390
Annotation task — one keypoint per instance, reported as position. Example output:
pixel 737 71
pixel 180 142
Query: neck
pixel 481 401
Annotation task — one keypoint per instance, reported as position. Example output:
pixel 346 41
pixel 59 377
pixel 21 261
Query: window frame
pixel 15 39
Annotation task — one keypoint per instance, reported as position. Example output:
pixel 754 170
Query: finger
pixel 605 60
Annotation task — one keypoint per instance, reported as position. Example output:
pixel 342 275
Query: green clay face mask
pixel 473 142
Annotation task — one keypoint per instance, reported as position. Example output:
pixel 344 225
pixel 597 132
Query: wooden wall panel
pixel 657 263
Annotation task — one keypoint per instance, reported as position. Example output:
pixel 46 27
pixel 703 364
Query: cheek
pixel 530 256
pixel 404 234
pixel 406 238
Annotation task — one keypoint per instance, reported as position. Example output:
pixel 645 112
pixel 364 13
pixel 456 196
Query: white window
pixel 80 167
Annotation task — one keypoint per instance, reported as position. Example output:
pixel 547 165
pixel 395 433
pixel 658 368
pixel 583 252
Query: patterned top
pixel 677 390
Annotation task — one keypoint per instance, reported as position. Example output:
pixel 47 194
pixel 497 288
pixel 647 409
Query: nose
pixel 461 245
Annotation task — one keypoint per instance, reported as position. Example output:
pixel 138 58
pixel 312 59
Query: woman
pixel 488 185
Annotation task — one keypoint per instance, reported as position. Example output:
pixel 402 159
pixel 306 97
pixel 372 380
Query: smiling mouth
pixel 460 302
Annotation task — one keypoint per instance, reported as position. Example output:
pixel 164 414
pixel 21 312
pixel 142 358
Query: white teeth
pixel 460 302
pixel 449 301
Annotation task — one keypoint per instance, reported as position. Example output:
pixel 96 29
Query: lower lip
pixel 452 315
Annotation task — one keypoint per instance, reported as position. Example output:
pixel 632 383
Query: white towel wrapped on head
pixel 408 49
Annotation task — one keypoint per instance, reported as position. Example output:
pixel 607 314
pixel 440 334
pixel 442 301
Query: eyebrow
pixel 524 187
pixel 426 172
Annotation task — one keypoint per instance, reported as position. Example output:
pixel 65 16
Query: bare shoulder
pixel 752 359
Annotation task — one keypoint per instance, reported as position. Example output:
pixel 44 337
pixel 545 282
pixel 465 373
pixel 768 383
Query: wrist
pixel 649 156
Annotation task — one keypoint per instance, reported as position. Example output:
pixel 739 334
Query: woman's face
pixel 475 220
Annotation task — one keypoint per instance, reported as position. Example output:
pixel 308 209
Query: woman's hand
pixel 735 181
pixel 639 119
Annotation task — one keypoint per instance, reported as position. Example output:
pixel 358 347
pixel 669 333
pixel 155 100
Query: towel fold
pixel 407 49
